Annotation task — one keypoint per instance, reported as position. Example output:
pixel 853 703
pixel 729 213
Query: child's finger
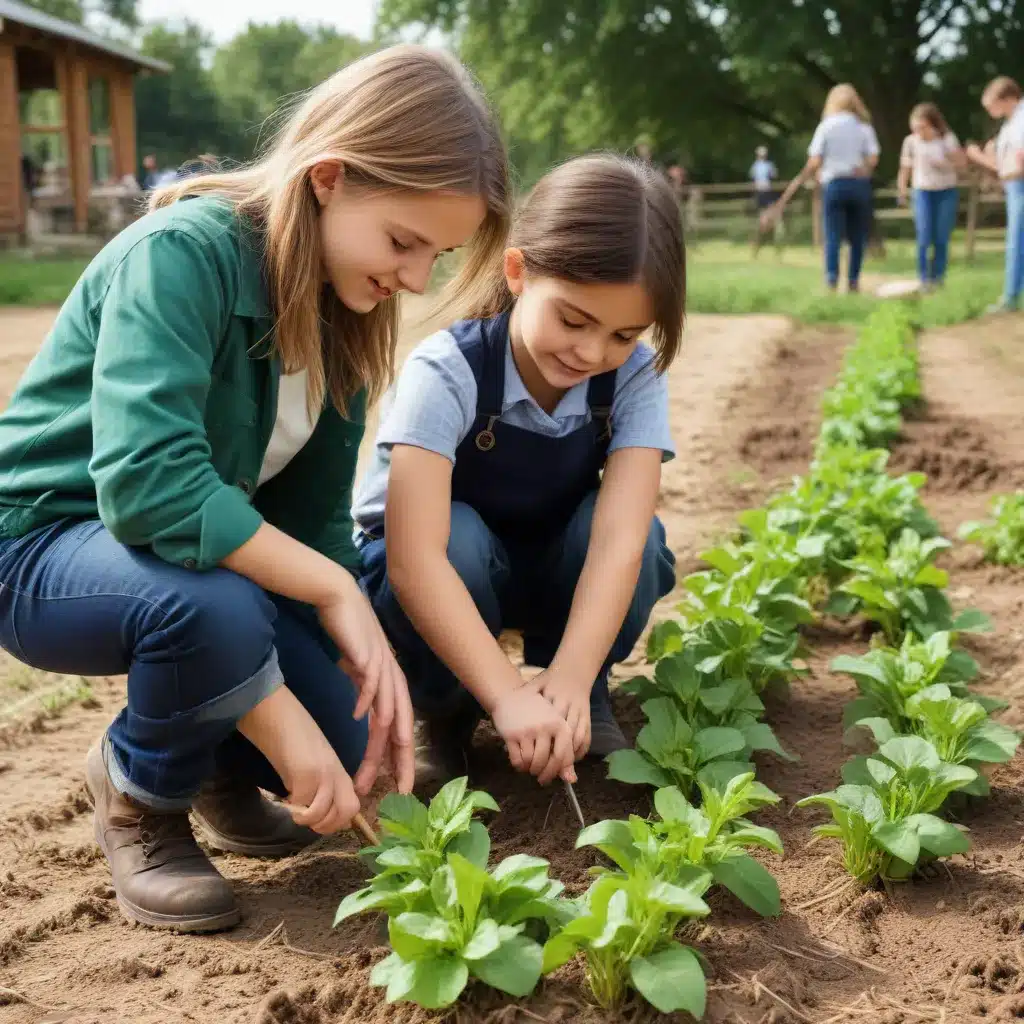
pixel 519 753
pixel 369 682
pixel 403 751
pixel 315 811
pixel 562 754
pixel 376 747
pixel 541 754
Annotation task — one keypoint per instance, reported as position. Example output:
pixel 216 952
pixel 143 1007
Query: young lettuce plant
pixel 884 815
pixel 705 702
pixel 1002 536
pixel 714 838
pixel 902 590
pixel 669 752
pixel 416 841
pixel 625 924
pixel 487 926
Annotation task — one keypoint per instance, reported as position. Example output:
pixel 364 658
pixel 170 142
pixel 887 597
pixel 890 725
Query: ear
pixel 515 271
pixel 325 177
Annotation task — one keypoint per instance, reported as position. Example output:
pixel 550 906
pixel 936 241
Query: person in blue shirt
pixel 763 174
pixel 516 473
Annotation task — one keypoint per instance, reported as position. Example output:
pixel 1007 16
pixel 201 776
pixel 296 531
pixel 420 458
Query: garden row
pixel 846 539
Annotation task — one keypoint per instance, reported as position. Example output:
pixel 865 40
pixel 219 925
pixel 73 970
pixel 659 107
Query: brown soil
pixel 948 948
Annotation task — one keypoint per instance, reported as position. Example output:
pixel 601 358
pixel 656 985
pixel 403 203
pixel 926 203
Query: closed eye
pixel 399 246
pixel 572 325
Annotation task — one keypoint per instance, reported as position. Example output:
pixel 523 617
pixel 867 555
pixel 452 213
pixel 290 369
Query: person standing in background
pixel 1002 100
pixel 763 174
pixel 152 176
pixel 843 153
pixel 929 162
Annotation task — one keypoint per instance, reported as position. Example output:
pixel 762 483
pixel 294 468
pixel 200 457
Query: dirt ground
pixel 946 949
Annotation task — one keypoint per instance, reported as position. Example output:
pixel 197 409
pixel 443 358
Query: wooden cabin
pixel 67 116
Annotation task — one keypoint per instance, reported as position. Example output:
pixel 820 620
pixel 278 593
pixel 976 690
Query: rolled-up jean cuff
pixel 228 707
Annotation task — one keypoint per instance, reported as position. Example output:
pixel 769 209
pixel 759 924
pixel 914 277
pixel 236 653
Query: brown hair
pixel 930 113
pixel 1001 88
pixel 843 98
pixel 601 219
pixel 408 118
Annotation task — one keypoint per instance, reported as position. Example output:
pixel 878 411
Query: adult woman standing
pixel 929 161
pixel 843 153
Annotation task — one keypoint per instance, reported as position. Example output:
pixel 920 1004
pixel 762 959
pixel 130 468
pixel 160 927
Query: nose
pixel 589 349
pixel 414 275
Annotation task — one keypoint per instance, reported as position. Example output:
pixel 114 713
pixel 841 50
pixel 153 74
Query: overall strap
pixel 600 395
pixel 490 382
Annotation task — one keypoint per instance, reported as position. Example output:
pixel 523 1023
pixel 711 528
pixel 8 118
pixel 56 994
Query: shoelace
pixel 155 830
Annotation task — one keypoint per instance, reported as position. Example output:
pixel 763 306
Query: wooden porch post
pixel 73 80
pixel 122 127
pixel 12 206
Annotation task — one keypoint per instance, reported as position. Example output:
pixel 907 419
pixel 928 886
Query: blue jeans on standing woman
pixel 934 220
pixel 1014 242
pixel 201 649
pixel 847 212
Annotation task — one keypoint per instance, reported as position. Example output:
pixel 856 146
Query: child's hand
pixel 368 659
pixel 320 793
pixel 536 735
pixel 571 699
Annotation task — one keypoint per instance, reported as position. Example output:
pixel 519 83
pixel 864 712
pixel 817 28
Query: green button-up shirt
pixel 153 398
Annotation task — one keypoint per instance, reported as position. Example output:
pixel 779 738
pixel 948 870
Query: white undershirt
pixel 292 426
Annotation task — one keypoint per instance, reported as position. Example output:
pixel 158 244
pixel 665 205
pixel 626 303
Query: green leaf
pixel 761 736
pixel 481 801
pixel 483 942
pixel 360 902
pixel 756 835
pixel 717 742
pixel 631 766
pixel 671 980
pixel 751 883
pixel 442 888
pixel 678 899
pixel 515 967
pixel 992 743
pixel 519 867
pixel 971 620
pixel 397 974
pixel 910 752
pixel 938 837
pixel 404 816
pixel 718 699
pixel 719 558
pixel 881 729
pixel 899 838
pixel 562 946
pixel 673 807
pixel 447 802
pixel 474 844
pixel 438 982
pixel 613 838
pixel 932 576
pixel 470 882
pixel 665 638
pixel 719 774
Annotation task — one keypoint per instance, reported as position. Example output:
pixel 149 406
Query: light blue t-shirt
pixel 432 405
pixel 843 142
pixel 763 172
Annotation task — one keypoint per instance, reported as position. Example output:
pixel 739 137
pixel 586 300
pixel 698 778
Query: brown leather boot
pixel 161 877
pixel 234 816
pixel 443 746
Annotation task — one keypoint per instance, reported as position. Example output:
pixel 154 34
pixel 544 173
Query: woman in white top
pixel 843 154
pixel 1002 100
pixel 929 161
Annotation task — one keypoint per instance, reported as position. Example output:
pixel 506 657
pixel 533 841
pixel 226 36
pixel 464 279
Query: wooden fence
pixel 727 210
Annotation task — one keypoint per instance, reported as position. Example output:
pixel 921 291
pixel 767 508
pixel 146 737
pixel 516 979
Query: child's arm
pixel 981 158
pixel 433 596
pixel 618 535
pixel 808 171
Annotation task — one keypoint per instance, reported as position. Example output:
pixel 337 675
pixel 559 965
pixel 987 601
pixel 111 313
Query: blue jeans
pixel 1014 242
pixel 201 649
pixel 934 220
pixel 847 212
pixel 527 588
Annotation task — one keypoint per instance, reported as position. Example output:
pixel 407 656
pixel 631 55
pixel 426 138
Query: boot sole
pixel 229 844
pixel 137 915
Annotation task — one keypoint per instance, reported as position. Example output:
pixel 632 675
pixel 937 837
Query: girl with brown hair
pixel 176 469
pixel 517 469
pixel 929 161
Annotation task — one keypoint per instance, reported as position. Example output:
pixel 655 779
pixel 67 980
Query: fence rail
pixel 724 208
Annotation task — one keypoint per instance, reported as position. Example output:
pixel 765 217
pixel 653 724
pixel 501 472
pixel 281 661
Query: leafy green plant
pixel 706 702
pixel 669 752
pixel 884 814
pixel 416 841
pixel 1002 536
pixel 474 924
pixel 714 838
pixel 625 924
pixel 902 590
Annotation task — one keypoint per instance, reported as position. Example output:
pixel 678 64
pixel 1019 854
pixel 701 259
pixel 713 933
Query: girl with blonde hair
pixel 176 470
pixel 842 155
pixel 517 468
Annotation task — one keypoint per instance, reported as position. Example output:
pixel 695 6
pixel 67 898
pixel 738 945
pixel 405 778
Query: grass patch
pixel 38 282
pixel 724 278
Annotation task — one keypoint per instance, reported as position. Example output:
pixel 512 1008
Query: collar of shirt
pixel 573 402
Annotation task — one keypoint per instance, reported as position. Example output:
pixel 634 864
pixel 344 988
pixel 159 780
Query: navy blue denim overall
pixel 522 505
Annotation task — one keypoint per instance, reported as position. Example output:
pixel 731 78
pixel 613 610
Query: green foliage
pixel 714 838
pixel 417 841
pixel 625 924
pixel 31 282
pixel 902 590
pixel 1002 536
pixel 884 814
pixel 472 924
